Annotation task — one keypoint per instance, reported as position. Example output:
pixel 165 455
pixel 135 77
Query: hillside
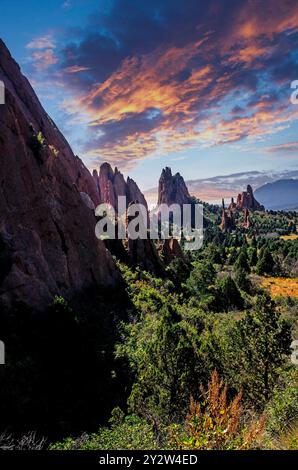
pixel 279 195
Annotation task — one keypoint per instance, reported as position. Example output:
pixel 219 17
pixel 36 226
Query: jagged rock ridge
pixel 111 184
pixel 47 239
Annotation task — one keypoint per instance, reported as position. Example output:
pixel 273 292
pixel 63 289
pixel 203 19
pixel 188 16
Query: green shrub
pixel 130 433
pixel 282 411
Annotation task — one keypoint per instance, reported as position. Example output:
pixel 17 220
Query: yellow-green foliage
pixel 40 138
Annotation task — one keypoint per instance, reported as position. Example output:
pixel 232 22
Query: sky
pixel 202 86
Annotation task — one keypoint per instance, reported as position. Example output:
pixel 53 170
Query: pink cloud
pixel 76 69
pixel 43 42
pixel 43 59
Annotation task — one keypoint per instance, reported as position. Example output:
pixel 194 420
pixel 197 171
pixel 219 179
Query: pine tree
pixel 242 280
pixel 242 261
pixel 265 264
pixel 253 256
pixel 259 345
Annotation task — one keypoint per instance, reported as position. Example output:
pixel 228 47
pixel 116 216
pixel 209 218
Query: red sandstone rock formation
pixel 227 219
pixel 172 189
pixel 233 205
pixel 47 239
pixel 171 249
pixel 111 184
pixel 247 221
pixel 134 193
pixel 246 200
pixel 143 252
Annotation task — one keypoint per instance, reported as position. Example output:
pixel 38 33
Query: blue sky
pixel 200 86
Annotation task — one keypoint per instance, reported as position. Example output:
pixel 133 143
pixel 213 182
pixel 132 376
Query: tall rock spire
pixel 172 189
pixel 246 200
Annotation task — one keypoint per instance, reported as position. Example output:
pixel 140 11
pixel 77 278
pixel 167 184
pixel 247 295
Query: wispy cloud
pixel 76 69
pixel 43 42
pixel 43 59
pixel 288 147
pixel 42 52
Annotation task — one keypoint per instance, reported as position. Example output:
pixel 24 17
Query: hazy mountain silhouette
pixel 279 195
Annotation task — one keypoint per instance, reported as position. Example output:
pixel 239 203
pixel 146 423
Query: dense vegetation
pixel 197 360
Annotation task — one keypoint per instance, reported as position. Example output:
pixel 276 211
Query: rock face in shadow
pixel 170 250
pixel 140 252
pixel 135 194
pixel 143 252
pixel 47 239
pixel 172 189
pixel 227 219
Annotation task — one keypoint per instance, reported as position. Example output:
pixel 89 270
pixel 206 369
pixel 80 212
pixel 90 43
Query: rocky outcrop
pixel 233 205
pixel 134 193
pixel 87 201
pixel 111 184
pixel 246 200
pixel 247 222
pixel 143 252
pixel 47 240
pixel 172 189
pixel 140 252
pixel 170 250
pixel 227 219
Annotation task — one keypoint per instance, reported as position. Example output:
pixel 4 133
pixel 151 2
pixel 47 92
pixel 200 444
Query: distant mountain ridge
pixel 279 195
pixel 213 189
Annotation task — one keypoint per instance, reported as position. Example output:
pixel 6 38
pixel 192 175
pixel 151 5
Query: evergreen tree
pixel 265 264
pixel 228 294
pixel 242 261
pixel 252 256
pixel 242 280
pixel 201 278
pixel 258 346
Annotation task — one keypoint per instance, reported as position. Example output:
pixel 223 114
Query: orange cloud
pixel 76 69
pixel 43 54
pixel 43 59
pixel 185 86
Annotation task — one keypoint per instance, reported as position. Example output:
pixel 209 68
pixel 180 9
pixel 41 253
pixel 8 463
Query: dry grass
pixel 293 236
pixel 281 286
pixel 289 441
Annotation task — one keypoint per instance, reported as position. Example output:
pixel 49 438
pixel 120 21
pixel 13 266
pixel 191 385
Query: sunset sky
pixel 200 86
